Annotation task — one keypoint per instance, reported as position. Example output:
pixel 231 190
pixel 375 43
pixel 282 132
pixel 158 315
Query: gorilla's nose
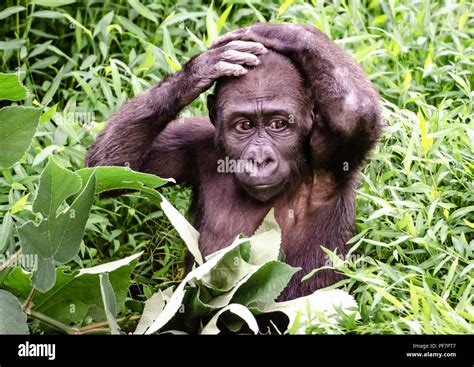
pixel 261 161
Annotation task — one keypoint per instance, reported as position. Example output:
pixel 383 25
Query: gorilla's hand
pixel 225 60
pixel 283 38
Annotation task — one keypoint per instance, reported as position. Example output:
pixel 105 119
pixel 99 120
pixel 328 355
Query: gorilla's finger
pixel 246 46
pixel 223 68
pixel 239 57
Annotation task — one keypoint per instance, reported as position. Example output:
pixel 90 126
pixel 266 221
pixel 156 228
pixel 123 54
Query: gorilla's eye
pixel 278 124
pixel 244 125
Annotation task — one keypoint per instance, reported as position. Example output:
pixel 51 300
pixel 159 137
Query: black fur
pixel 316 159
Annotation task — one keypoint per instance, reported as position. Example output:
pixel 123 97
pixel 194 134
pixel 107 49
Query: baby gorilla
pixel 264 119
pixel 289 104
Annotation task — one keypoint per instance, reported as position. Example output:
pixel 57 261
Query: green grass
pixel 413 256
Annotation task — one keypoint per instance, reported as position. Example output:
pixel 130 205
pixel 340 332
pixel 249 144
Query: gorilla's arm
pixel 347 121
pixel 129 135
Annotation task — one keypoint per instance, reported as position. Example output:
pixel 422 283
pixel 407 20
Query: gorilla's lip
pixel 267 186
pixel 264 191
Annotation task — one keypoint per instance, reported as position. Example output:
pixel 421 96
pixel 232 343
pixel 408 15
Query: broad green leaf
pixel 17 128
pixel 110 304
pixel 230 269
pixel 112 178
pixel 176 299
pixel 186 231
pixel 56 185
pixel 57 239
pixel 11 88
pixel 44 275
pixel 162 317
pixel 12 317
pixel 195 309
pixel 266 284
pixel 265 242
pixel 225 298
pixel 239 310
pixel 74 298
pixel 110 266
pixel 153 307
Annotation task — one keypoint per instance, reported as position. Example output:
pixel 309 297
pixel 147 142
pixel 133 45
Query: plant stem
pixel 52 322
pixel 105 323
pixel 94 331
pixel 27 305
pixel 98 327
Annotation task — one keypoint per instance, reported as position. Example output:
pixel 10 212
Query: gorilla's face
pixel 263 119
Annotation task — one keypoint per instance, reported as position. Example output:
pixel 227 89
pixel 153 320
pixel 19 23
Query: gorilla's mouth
pixel 264 192
pixel 266 186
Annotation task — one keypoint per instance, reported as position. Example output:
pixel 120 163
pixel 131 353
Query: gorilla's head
pixel 262 121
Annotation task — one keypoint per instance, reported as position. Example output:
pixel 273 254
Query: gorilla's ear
pixel 211 106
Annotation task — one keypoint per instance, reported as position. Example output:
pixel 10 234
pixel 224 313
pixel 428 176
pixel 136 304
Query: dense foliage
pixel 411 265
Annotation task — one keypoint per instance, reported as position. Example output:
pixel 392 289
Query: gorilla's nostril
pixel 263 162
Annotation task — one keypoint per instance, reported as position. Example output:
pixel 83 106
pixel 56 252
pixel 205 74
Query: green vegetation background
pixel 412 261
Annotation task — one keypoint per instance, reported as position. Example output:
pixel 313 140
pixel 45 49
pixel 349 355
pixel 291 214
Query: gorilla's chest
pixel 224 211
